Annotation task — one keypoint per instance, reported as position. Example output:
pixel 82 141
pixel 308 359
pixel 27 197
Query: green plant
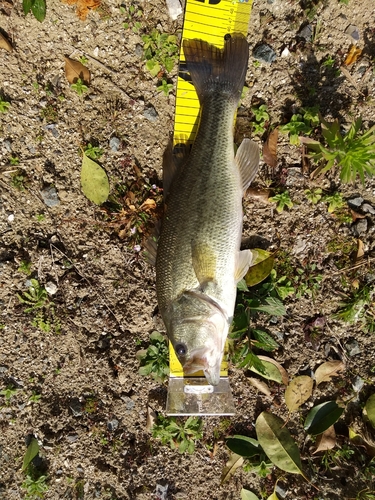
pixel 335 201
pixel 165 87
pixel 313 195
pixel 25 267
pixel 4 105
pixel 83 60
pixel 8 393
pixel 353 152
pixel 14 160
pixel 35 488
pixel 359 306
pixel 329 62
pixel 307 281
pixel 37 7
pixel 93 152
pixel 34 398
pixel 160 51
pixel 37 301
pixel 154 360
pixel 261 118
pixel 79 87
pixel 179 436
pixel 282 200
pixel 132 17
pixel 19 180
pixel 295 127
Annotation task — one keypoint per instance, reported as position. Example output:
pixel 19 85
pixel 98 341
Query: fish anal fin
pixel 204 263
pixel 245 258
pixel 247 159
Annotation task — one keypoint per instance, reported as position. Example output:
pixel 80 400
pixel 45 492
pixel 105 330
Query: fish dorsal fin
pixel 245 258
pixel 151 245
pixel 204 263
pixel 173 159
pixel 247 159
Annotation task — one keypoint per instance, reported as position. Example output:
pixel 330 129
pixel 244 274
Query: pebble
pixel 138 50
pixel 353 32
pixel 114 144
pixel 72 438
pixel 359 228
pixel 358 383
pixel 161 492
pixel 352 348
pixel 51 288
pixel 150 113
pixel 76 407
pixel 174 9
pixel 306 33
pixel 280 491
pixel 52 128
pixel 50 196
pixel 264 53
pixel 367 208
pixel 356 202
pixel 112 425
pixel 10 217
pixel 129 403
pixel 8 145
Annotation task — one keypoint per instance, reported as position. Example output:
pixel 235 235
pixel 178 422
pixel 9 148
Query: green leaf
pixel 38 8
pixel 243 446
pixel 248 495
pixel 31 453
pixel 271 371
pixel 260 270
pixel 231 466
pixel 273 496
pixel 272 306
pixel 26 6
pixel 370 409
pixel 277 443
pixel 94 181
pixel 321 417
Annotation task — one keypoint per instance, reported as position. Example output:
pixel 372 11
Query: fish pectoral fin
pixel 245 258
pixel 204 263
pixel 247 159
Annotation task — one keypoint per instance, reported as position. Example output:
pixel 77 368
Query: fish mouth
pixel 209 361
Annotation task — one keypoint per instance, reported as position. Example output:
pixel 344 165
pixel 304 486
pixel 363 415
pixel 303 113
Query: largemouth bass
pixel 199 262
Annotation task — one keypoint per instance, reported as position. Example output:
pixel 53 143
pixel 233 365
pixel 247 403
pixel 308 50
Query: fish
pixel 198 256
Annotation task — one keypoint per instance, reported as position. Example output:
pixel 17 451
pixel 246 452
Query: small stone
pixel 352 348
pixel 359 228
pixel 353 32
pixel 358 383
pixel 356 202
pixel 52 128
pixel 150 113
pixel 51 288
pixel 96 51
pixel 368 209
pixel 138 50
pixel 280 491
pixel 264 53
pixel 306 32
pixel 10 217
pixel 285 52
pixel 112 425
pixel 174 9
pixel 161 492
pixel 72 438
pixel 76 406
pixel 114 144
pixel 129 403
pixel 8 145
pixel 50 196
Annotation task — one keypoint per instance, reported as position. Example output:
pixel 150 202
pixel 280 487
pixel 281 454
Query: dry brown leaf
pixel 326 441
pixel 75 70
pixel 360 250
pixel 327 370
pixel 258 194
pixel 298 391
pixel 150 419
pixel 5 44
pixel 149 204
pixel 283 372
pixel 353 55
pixel 349 77
pixel 356 215
pixel 83 6
pixel 260 385
pixel 270 148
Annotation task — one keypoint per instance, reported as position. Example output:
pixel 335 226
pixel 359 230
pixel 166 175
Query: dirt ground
pixel 79 355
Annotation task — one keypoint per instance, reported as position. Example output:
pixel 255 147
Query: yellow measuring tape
pixel 209 20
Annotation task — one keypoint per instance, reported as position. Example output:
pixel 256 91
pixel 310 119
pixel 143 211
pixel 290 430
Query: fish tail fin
pixel 215 70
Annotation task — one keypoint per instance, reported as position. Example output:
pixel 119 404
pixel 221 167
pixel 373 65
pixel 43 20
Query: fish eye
pixel 180 349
